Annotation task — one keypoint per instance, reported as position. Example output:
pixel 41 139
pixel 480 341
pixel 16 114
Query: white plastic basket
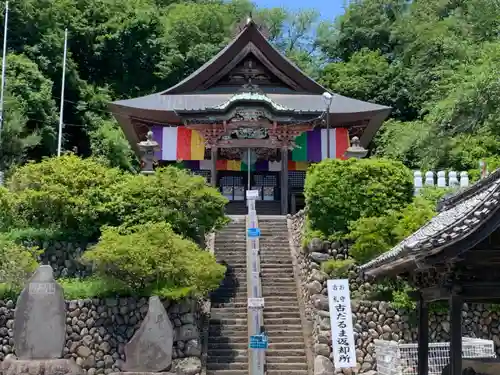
pixel 402 359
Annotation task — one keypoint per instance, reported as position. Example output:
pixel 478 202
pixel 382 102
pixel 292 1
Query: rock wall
pixel 98 329
pixel 371 319
pixel 63 256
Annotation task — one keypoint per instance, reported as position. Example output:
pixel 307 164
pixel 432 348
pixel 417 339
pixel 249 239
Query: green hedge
pixel 76 197
pixel 146 225
pixel 338 192
pixel 151 258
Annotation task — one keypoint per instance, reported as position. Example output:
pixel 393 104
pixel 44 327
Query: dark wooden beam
pixel 284 181
pixel 423 337
pixel 213 166
pixel 436 293
pixel 456 304
pixel 482 257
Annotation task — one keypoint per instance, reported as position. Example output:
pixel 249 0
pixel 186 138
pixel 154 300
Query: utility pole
pixel 59 135
pixel 4 64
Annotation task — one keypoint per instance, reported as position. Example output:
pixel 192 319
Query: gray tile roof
pixel 465 211
pixel 299 102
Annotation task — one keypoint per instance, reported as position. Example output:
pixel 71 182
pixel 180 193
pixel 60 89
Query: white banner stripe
pixel 169 150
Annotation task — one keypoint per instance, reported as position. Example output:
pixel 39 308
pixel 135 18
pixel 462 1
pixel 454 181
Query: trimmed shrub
pixel 75 197
pixel 338 192
pixel 337 268
pixel 373 236
pixel 152 259
pixel 66 194
pixel 172 195
pixel 17 263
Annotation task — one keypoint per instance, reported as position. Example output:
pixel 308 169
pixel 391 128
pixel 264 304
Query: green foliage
pixel 75 197
pixel 337 268
pixel 151 257
pixel 94 287
pixel 65 194
pixel 172 195
pixel 338 192
pixel 16 264
pixel 363 77
pixel 373 236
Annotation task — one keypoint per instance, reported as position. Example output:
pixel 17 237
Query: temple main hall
pixel 250 119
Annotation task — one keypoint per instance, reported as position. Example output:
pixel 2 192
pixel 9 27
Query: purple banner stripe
pixel 261 165
pixel 158 137
pixel 314 145
pixel 193 165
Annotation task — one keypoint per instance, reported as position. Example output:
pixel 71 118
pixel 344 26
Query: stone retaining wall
pixel 98 329
pixel 63 257
pixel 371 319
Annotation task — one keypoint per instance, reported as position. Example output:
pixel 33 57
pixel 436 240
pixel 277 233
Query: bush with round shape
pixel 17 263
pixel 152 259
pixel 338 192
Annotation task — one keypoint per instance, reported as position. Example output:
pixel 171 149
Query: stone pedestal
pixel 40 367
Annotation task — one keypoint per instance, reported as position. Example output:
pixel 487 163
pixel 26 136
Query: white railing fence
pixel 440 179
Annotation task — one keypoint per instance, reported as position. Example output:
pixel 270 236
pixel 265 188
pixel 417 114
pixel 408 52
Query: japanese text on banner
pixel 339 300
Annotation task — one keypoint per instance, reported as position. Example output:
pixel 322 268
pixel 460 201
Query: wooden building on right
pixel 454 257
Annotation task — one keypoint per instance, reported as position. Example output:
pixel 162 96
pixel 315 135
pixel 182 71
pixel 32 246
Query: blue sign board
pixel 253 232
pixel 259 342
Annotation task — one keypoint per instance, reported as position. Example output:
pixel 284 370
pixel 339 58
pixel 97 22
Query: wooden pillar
pixel 284 181
pixel 423 336
pixel 213 166
pixel 456 334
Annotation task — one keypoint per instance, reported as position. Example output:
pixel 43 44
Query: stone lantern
pixel 356 150
pixel 148 148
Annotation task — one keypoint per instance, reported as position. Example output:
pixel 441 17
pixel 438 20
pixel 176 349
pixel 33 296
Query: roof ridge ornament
pixel 249 21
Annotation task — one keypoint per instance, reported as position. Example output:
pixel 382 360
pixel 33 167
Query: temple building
pixel 250 118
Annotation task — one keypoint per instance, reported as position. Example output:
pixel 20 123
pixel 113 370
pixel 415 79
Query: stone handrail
pixel 256 358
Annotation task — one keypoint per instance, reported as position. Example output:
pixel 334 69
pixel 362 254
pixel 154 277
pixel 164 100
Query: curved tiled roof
pixel 459 217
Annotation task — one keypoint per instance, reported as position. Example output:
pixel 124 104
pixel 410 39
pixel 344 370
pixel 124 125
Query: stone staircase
pixel 282 318
pixel 263 208
pixel 228 331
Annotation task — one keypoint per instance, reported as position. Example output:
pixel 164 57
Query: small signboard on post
pixel 252 194
pixel 255 303
pixel 253 232
pixel 339 300
pixel 259 342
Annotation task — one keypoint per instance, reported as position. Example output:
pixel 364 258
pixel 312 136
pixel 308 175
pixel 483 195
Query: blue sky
pixel 329 9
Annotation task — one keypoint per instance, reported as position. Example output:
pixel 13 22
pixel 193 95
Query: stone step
pixel 278 331
pixel 282 372
pixel 230 372
pixel 230 358
pixel 243 314
pixel 283 366
pixel 222 313
pixel 228 366
pixel 287 291
pixel 244 365
pixel 272 306
pixel 270 300
pixel 270 276
pixel 283 358
pixel 267 321
pixel 244 353
pixel 241 343
pixel 228 330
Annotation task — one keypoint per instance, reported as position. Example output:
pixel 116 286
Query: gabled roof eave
pixel 249 34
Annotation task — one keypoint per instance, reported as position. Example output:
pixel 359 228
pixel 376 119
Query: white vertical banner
pixel 339 301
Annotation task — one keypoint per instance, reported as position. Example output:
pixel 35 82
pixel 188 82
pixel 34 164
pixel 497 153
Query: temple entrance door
pixel 232 184
pixel 268 185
